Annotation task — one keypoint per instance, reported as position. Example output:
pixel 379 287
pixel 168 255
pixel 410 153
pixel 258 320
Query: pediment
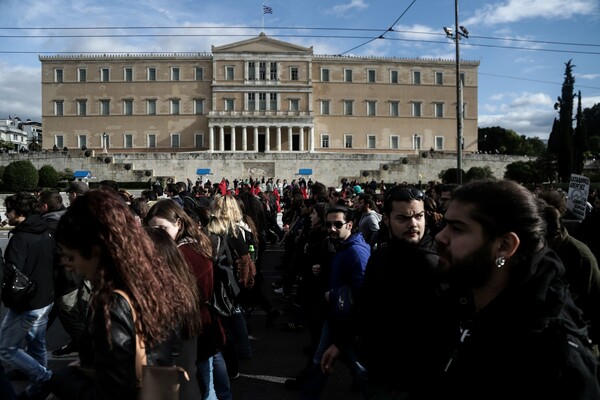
pixel 262 44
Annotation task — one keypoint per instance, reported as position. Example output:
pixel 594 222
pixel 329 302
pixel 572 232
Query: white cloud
pixel 23 100
pixel 519 10
pixel 343 9
pixel 587 76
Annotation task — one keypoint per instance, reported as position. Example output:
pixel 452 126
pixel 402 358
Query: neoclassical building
pixel 257 95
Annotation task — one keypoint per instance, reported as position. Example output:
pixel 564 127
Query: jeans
pixel 212 378
pixel 29 327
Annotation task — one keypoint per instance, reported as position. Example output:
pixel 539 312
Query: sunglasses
pixel 405 194
pixel 337 224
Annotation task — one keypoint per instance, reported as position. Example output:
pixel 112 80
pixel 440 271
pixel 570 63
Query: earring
pixel 500 261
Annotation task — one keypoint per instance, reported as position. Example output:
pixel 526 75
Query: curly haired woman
pixel 99 238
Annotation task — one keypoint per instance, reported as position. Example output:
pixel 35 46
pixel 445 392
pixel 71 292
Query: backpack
pixel 189 202
pixel 226 288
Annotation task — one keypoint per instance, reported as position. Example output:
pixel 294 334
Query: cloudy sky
pixel 522 45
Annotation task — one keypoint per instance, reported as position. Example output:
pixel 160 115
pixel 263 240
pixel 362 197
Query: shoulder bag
pixel 17 288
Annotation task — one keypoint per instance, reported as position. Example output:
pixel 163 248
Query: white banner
pixel 579 188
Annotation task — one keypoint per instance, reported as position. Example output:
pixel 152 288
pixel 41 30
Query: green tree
pixel 521 171
pixel 580 140
pixel 591 120
pixel 450 175
pixel 475 173
pixel 563 141
pixel 20 175
pixel 48 176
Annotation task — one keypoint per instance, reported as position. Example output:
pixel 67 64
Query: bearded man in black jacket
pixel 399 324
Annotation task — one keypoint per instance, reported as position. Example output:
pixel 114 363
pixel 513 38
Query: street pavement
pixel 277 355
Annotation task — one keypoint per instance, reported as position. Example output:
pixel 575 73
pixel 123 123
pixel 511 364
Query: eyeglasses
pixel 337 224
pixel 405 194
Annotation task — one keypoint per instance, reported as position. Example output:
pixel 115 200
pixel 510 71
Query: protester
pixel 99 238
pixel 518 333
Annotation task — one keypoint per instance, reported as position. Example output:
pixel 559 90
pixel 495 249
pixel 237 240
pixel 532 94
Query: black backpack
pixel 226 288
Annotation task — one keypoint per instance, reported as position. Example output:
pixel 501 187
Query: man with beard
pixel 345 284
pixel 518 333
pixel 400 308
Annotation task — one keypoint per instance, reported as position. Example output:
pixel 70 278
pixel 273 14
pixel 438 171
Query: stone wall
pixel 328 168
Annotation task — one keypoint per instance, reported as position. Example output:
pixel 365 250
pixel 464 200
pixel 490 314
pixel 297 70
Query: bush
pixel 475 173
pixel 48 176
pixel 20 175
pixel 450 175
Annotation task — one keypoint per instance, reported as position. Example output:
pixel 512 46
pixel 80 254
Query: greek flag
pixel 267 10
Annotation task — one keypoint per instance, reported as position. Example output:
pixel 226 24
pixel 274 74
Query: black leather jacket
pixel 113 365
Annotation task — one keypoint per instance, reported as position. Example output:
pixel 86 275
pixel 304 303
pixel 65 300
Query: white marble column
pixel 311 139
pixel 301 147
pixel 255 148
pixel 267 139
pixel 221 138
pixel 279 139
pixel 211 139
pixel 290 141
pixel 244 138
pixel 233 138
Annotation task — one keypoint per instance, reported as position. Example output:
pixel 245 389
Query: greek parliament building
pixel 259 95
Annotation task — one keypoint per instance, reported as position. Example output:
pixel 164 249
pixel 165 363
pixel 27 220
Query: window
pixel 82 107
pixel 175 73
pixel 294 105
pixel 347 75
pixel 371 108
pixel 394 142
pixel 371 76
pixel 198 106
pixel 324 107
pixel 151 107
pixel 59 141
pixel 128 141
pixel 273 101
pixel 251 101
pixel 104 107
pixel 229 104
pixel 262 101
pixel 325 141
pixel 59 106
pixel 416 77
pixel 439 142
pixel 128 74
pixel 174 106
pixel 294 73
pixel 394 109
pixel 82 141
pixel 416 109
pixel 199 140
pixel 251 70
pixel 371 142
pixel 199 73
pixel 394 76
pixel 348 141
pixel 151 74
pixel 348 107
pixel 438 110
pixel 273 74
pixel 229 73
pixel 439 78
pixel 82 74
pixel 175 140
pixel 58 75
pixel 324 74
pixel 127 107
pixel 152 141
pixel 262 70
pixel 104 74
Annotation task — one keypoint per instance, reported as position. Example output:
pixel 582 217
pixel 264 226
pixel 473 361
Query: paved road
pixel 277 355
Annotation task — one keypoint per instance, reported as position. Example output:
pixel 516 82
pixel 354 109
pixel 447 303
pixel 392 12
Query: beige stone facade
pixel 258 95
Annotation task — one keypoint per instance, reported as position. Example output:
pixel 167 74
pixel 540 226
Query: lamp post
pixel 104 140
pixel 459 32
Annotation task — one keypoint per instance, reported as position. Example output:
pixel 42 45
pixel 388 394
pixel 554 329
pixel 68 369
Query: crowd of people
pixel 422 291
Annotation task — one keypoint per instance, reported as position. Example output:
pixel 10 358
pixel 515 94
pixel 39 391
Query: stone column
pixel 233 138
pixel 301 147
pixel 267 139
pixel 279 139
pixel 255 149
pixel 290 144
pixel 221 138
pixel 211 139
pixel 244 138
pixel 311 139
